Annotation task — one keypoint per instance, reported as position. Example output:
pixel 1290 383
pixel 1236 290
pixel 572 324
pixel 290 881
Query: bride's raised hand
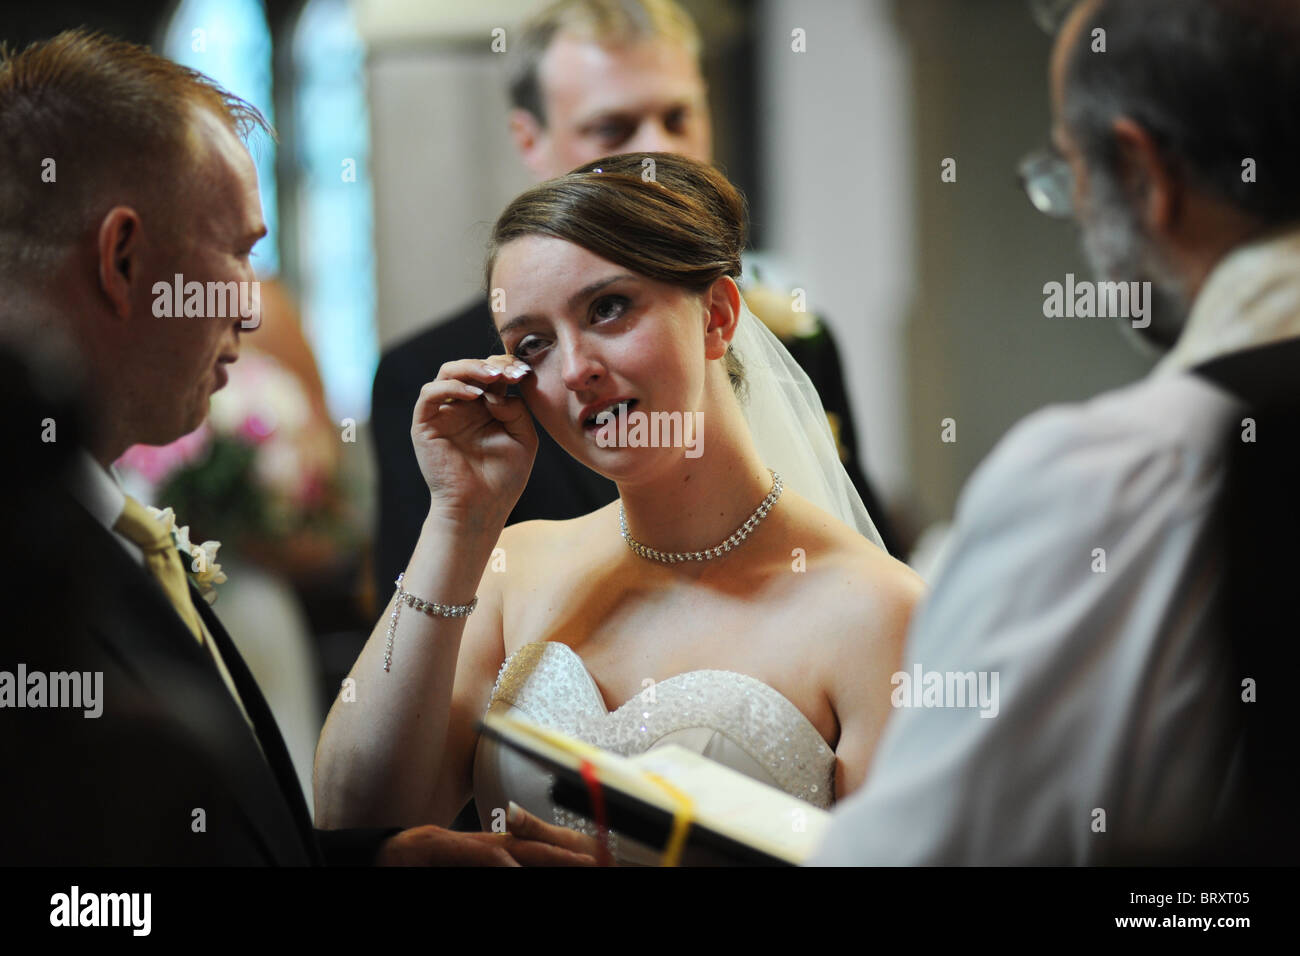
pixel 475 446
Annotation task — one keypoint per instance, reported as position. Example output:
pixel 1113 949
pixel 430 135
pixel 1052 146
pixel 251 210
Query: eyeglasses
pixel 1048 182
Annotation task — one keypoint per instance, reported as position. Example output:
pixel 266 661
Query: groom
pixel 1127 565
pixel 121 170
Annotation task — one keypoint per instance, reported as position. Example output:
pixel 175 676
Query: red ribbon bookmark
pixel 597 796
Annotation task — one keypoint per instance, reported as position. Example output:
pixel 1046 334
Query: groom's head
pixel 1179 121
pixel 120 171
pixel 590 78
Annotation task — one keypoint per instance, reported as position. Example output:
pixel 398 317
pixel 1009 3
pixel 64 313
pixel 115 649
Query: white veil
pixel 789 426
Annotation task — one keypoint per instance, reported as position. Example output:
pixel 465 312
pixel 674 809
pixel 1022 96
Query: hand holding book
pixel 689 806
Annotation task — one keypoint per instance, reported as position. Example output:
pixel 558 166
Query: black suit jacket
pixel 170 773
pixel 559 487
pixel 1259 527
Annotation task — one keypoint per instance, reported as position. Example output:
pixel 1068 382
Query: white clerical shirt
pixel 1082 573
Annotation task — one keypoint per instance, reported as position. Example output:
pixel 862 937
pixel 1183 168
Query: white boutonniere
pixel 203 570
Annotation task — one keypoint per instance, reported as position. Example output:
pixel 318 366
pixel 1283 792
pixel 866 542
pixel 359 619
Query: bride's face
pixel 595 333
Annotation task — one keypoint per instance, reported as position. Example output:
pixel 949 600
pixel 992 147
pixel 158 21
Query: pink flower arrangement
pixel 263 408
pixel 157 463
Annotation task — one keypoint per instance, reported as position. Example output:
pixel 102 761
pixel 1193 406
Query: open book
pixel 672 798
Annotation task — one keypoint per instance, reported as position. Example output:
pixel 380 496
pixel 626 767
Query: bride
pixel 729 601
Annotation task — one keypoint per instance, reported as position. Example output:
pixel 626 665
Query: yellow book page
pixel 612 769
pixel 724 800
pixel 737 806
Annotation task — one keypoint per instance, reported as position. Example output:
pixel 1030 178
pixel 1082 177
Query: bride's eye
pixel 522 351
pixel 611 306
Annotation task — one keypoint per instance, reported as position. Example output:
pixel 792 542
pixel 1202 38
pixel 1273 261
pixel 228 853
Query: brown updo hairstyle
pixel 660 215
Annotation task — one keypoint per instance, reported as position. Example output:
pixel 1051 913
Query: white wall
pixel 443 171
pixel 444 166
pixel 839 186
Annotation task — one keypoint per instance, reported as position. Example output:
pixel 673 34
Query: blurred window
pixel 334 227
pixel 229 41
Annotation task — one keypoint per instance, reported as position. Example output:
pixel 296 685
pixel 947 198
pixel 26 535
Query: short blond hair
pixel 607 22
pixel 115 120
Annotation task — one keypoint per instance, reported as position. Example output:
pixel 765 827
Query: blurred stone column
pixel 838 178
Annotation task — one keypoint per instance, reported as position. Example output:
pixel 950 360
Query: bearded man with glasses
pixel 1126 565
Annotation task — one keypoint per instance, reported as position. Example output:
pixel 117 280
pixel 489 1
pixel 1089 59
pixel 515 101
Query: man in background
pixel 589 78
pixel 1121 579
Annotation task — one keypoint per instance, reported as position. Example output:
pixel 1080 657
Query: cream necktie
pixel 163 561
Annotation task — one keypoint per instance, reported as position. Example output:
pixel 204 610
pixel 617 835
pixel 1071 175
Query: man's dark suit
pixel 123 788
pixel 1260 527
pixel 560 487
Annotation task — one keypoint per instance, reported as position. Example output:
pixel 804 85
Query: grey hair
pixel 1214 82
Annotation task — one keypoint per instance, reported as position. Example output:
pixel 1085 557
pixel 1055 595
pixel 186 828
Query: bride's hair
pixel 663 216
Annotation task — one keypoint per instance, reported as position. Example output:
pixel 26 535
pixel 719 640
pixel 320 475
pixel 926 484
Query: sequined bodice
pixel 729 717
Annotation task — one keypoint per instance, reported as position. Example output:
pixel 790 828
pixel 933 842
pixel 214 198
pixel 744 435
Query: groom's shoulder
pixel 1159 430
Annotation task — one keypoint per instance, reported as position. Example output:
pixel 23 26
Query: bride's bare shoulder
pixel 867 581
pixel 538 561
pixel 540 538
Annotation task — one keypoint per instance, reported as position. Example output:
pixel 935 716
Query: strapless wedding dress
pixel 728 717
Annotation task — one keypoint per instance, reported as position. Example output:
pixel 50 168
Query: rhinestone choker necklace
pixel 739 535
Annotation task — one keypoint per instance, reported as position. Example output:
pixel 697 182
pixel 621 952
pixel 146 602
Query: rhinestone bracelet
pixel 428 607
